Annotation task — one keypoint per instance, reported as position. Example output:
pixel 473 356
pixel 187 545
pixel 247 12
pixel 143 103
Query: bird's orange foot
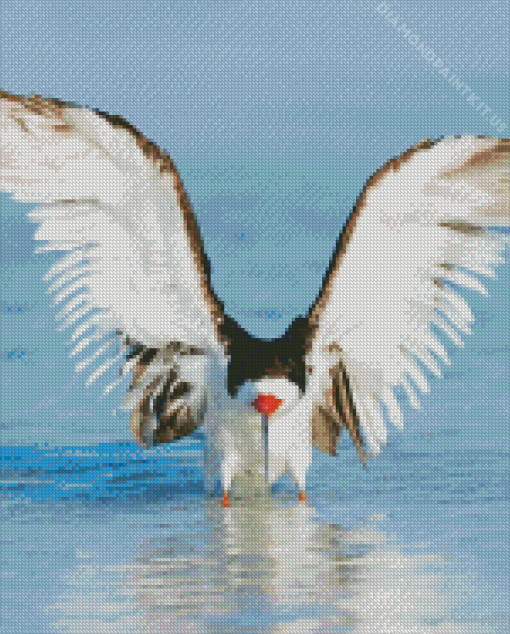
pixel 225 503
pixel 302 496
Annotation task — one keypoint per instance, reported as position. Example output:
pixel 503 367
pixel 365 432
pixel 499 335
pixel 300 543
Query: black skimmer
pixel 136 274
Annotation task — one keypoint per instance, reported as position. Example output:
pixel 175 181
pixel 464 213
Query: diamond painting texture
pixel 321 247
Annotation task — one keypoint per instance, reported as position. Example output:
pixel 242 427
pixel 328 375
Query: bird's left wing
pixel 418 226
pixel 135 271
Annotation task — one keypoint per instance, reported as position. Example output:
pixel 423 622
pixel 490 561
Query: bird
pixel 135 284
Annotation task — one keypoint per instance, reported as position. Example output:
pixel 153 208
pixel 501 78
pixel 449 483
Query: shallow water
pixel 114 539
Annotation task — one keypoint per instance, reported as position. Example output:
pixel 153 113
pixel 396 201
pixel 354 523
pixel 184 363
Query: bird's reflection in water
pixel 265 565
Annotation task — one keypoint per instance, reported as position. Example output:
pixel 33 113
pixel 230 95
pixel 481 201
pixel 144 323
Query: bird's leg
pixel 300 459
pixel 229 466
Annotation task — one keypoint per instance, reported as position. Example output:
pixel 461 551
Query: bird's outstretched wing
pixel 135 270
pixel 418 226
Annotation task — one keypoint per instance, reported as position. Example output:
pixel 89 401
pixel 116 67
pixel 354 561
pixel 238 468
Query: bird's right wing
pixel 135 272
pixel 418 227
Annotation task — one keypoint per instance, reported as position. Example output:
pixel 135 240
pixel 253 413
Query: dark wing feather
pixel 332 412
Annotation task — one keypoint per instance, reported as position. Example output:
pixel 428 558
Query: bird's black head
pixel 252 359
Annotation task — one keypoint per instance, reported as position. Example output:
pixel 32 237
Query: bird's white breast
pixel 235 437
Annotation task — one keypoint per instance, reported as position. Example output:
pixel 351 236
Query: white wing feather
pixel 417 224
pixel 108 204
pixel 130 267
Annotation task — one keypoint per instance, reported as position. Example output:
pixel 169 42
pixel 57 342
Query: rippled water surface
pixel 113 539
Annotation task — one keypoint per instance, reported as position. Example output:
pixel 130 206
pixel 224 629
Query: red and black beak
pixel 267 404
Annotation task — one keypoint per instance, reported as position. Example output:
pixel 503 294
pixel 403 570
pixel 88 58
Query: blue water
pixel 115 539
